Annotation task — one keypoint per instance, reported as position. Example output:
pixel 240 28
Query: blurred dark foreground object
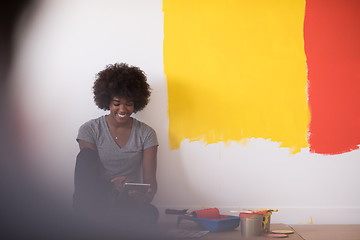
pixel 27 211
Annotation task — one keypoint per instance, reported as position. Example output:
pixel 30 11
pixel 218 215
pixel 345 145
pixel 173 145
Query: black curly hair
pixel 121 80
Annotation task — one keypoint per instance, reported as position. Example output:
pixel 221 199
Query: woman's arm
pixel 84 144
pixel 149 168
pixel 149 176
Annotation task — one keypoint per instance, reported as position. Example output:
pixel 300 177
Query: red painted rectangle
pixel 332 47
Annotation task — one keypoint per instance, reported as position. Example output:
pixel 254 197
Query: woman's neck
pixel 118 126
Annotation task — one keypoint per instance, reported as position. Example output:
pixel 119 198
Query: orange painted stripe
pixel 332 47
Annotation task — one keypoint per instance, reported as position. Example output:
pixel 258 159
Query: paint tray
pixel 223 223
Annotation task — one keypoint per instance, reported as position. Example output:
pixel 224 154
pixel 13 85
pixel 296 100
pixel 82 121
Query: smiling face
pixel 121 110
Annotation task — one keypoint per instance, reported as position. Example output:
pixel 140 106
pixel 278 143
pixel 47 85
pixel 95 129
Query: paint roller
pixel 209 213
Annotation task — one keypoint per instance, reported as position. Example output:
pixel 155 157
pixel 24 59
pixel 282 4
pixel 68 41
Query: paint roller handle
pixel 272 210
pixel 176 212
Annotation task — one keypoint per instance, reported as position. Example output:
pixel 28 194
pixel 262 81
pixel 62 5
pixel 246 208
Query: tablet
pixel 140 187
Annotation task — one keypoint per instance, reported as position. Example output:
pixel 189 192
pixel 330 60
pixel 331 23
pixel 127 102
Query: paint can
pixel 254 223
pixel 266 221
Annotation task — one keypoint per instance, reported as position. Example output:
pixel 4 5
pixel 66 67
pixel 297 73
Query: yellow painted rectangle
pixel 236 70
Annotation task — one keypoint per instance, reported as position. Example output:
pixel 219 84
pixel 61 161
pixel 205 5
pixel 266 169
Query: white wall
pixel 65 43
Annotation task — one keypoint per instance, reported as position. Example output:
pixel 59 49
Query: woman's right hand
pixel 119 183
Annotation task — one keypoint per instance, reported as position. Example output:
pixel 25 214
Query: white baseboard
pixel 286 215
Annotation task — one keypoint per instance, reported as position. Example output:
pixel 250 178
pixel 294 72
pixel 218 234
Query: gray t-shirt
pixel 119 161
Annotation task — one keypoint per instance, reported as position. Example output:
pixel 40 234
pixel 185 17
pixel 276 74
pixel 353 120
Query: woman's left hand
pixel 141 197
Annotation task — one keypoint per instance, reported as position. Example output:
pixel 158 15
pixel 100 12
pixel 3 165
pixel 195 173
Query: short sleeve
pixel 86 133
pixel 150 139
